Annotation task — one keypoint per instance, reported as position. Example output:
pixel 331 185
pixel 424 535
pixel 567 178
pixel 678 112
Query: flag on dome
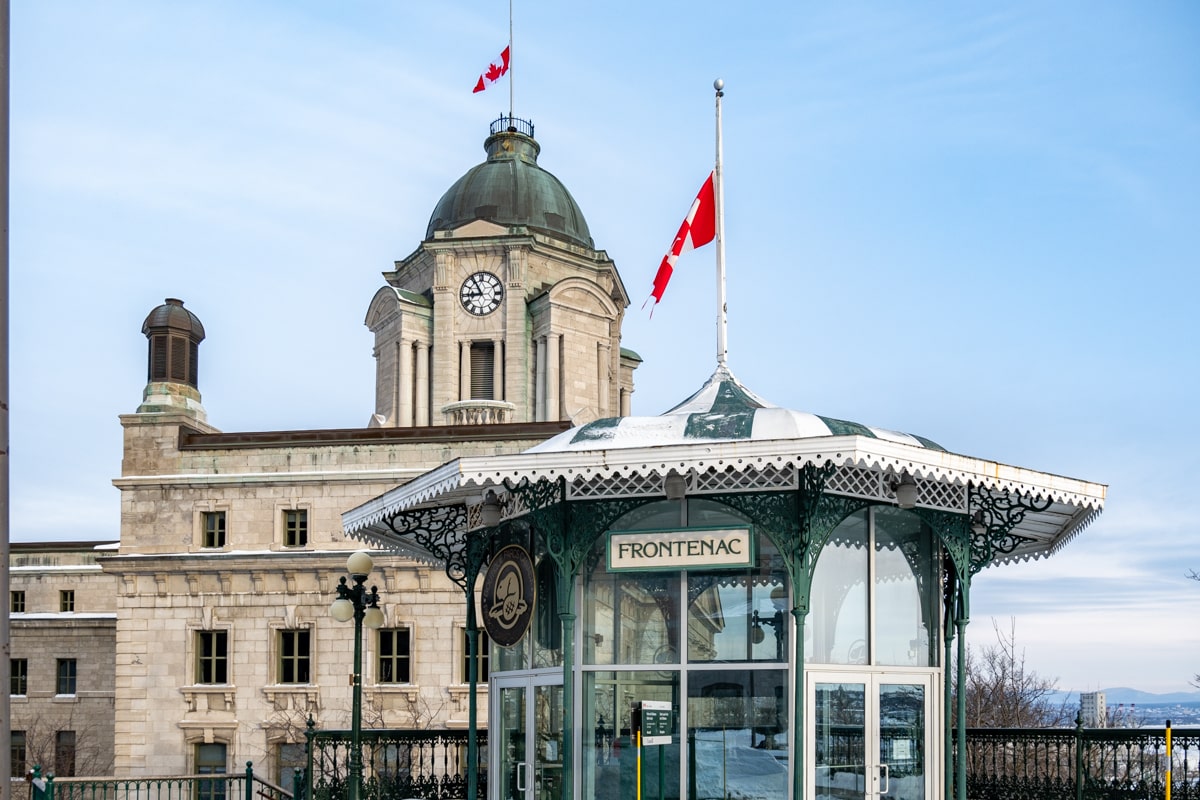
pixel 698 229
pixel 493 73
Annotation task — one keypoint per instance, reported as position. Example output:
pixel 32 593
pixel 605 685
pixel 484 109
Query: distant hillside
pixel 1123 694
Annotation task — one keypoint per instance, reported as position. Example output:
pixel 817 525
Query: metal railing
pixel 210 786
pixel 1082 764
pixel 397 764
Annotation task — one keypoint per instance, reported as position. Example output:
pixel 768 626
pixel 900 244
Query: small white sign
pixel 680 549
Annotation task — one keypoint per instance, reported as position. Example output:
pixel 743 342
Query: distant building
pixel 62 618
pixel 1092 710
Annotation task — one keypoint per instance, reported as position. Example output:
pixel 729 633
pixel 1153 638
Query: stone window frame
pixel 201 510
pixel 18 677
pixel 198 657
pixel 292 695
pixel 64 674
pixel 282 509
pixel 410 659
pixel 277 658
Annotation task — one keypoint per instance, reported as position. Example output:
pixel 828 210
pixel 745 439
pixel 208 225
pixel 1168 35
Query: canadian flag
pixel 698 229
pixel 493 73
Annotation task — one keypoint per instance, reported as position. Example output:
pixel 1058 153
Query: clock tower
pixel 506 312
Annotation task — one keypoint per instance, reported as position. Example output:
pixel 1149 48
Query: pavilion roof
pixel 624 461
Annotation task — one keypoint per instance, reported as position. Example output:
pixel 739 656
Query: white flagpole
pixel 719 199
pixel 511 63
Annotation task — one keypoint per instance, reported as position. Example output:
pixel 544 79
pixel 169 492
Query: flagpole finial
pixel 719 85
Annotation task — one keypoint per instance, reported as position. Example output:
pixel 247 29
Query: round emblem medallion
pixel 508 596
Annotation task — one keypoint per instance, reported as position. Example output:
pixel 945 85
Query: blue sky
pixel 975 221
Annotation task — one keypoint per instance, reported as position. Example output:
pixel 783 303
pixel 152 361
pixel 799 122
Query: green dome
pixel 511 189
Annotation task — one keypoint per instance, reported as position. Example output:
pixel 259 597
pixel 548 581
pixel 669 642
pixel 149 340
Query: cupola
pixel 172 367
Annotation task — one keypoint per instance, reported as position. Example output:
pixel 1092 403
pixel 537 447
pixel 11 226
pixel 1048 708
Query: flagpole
pixel 719 201
pixel 510 62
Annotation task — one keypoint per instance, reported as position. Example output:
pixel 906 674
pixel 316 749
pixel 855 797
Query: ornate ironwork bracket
pixel 993 517
pixel 442 532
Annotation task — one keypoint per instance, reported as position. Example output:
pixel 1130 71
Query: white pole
pixel 719 199
pixel 511 63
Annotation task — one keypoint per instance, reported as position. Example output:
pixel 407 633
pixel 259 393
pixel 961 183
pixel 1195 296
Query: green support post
pixel 472 698
pixel 798 721
pixel 962 709
pixel 248 789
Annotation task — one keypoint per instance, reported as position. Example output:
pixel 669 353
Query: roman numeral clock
pixel 481 293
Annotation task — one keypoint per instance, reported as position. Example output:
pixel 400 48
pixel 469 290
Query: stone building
pixel 62 634
pixel 498 331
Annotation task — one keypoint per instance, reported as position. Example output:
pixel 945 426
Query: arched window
pixel 875 593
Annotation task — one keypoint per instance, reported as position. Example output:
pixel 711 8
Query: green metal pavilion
pixel 777 600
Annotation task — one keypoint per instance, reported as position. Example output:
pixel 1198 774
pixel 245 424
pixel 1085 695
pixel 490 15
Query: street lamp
pixel 355 602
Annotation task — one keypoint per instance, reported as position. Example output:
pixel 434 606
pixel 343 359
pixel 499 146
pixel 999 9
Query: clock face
pixel 481 293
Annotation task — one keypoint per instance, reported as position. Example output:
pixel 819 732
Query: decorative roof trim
pixel 464 479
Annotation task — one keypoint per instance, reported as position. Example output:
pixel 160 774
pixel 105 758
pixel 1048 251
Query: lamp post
pixel 357 603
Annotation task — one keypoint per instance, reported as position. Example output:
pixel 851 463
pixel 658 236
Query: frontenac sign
pixel 686 548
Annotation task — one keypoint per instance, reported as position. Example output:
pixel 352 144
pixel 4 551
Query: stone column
pixel 498 370
pixel 464 370
pixel 422 383
pixel 603 370
pixel 404 402
pixel 552 377
pixel 625 403
pixel 539 400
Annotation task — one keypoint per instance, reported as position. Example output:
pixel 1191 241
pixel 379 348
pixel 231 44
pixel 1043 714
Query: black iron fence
pixel 210 786
pixel 397 765
pixel 1082 764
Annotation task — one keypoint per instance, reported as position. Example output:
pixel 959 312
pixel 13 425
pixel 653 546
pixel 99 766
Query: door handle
pixel 885 774
pixel 522 770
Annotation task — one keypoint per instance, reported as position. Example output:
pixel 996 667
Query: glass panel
pixel 609 752
pixel 902 740
pixel 737 732
pixel 905 590
pixel 631 618
pixel 546 625
pixel 839 739
pixel 548 719
pixel 737 616
pixel 506 659
pixel 514 772
pixel 839 597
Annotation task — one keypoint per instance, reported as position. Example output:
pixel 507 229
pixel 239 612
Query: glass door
pixel 527 722
pixel 871 737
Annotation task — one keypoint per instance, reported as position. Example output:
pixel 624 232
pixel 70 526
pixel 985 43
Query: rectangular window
pixel 66 600
pixel 482 661
pixel 66 676
pixel 16 602
pixel 212 657
pixel 210 760
pixel 395 656
pixel 213 534
pixel 20 676
pixel 290 760
pixel 17 738
pixel 294 656
pixel 295 527
pixel 64 754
